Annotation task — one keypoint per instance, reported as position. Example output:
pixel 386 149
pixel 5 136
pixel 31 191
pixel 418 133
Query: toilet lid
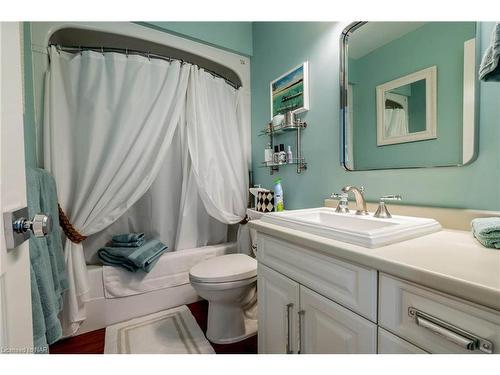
pixel 224 268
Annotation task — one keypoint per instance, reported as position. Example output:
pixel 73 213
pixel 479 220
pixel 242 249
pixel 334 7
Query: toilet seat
pixel 224 268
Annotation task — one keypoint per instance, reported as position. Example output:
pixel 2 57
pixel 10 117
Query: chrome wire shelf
pixel 270 130
pixel 295 161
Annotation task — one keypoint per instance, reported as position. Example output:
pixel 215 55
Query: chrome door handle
pixel 40 225
pixel 289 349
pixel 301 327
pixel 17 227
pixel 454 334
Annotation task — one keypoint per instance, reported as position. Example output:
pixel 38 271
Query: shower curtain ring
pixel 81 51
pixel 149 57
pixel 102 50
pixel 126 52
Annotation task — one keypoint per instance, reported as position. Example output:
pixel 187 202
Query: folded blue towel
pixel 489 70
pixel 48 273
pixel 133 259
pixel 487 231
pixel 128 240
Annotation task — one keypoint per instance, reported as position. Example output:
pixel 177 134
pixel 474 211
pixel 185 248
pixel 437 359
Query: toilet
pixel 228 283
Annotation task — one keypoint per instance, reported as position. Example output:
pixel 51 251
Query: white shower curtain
pixel 109 123
pixel 396 122
pixel 218 160
pixel 109 120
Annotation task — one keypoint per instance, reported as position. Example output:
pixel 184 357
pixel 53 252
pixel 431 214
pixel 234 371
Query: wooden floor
pixel 93 342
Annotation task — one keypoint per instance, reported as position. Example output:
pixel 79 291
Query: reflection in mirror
pixel 408 94
pixel 406 108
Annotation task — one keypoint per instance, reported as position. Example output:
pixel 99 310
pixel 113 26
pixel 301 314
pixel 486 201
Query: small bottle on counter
pixel 282 154
pixel 268 154
pixel 289 155
pixel 276 155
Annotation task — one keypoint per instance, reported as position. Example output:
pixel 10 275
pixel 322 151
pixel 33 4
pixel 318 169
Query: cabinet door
pixel 278 307
pixel 326 327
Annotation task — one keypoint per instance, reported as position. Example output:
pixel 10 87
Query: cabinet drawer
pixel 436 322
pixel 350 285
pixel 392 344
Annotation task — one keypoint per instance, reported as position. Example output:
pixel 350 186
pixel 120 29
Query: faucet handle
pixel 391 197
pixel 343 205
pixel 338 196
pixel 382 211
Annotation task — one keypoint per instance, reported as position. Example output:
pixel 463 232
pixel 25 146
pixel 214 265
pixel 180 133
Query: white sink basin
pixel 362 230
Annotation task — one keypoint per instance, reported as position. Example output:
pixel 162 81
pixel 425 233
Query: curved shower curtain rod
pixel 126 51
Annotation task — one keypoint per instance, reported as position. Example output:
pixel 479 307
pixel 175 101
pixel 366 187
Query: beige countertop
pixel 450 261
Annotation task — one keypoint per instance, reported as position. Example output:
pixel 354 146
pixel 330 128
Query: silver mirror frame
pixel 343 79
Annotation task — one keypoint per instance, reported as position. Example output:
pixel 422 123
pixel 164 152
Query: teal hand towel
pixel 48 273
pixel 487 231
pixel 133 259
pixel 489 70
pixel 128 240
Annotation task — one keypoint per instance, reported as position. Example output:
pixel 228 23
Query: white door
pixel 328 328
pixel 278 308
pixel 16 334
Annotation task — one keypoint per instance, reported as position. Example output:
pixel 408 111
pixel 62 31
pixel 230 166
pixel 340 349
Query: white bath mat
pixel 172 331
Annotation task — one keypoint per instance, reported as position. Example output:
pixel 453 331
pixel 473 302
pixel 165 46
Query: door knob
pixel 17 227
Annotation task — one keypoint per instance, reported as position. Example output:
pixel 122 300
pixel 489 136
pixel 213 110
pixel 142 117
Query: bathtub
pixel 109 305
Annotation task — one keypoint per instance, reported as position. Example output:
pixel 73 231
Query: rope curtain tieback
pixel 68 228
pixel 245 220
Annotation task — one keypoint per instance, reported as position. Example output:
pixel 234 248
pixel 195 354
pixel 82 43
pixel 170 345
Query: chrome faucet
pixel 360 198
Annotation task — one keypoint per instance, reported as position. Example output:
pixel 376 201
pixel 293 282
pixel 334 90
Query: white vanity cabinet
pixel 295 319
pixel 306 301
pixel 312 302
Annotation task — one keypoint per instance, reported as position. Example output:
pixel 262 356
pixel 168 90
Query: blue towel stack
pixel 487 231
pixel 132 252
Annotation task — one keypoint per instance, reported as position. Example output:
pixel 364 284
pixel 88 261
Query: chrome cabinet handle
pixel 289 349
pixel 454 334
pixel 301 327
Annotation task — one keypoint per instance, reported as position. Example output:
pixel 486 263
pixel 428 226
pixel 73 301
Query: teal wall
pixel 233 36
pixel 396 59
pixel 280 46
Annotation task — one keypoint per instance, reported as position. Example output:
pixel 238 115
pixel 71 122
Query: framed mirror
pixel 409 94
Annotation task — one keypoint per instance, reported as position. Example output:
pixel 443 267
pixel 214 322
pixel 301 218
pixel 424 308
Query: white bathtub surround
pixel 106 136
pixel 173 331
pixel 175 289
pixel 172 269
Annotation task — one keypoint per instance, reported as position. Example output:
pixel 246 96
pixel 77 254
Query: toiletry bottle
pixel 268 154
pixel 282 154
pixel 278 195
pixel 276 155
pixel 289 155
